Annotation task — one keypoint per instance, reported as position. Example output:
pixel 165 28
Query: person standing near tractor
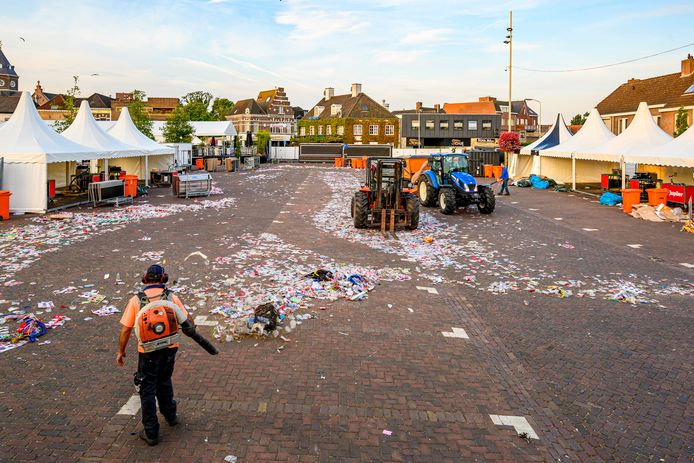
pixel 504 180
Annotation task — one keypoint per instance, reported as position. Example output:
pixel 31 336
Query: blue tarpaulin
pixel 610 199
pixel 538 183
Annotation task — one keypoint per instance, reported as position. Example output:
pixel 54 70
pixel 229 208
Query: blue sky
pixel 402 51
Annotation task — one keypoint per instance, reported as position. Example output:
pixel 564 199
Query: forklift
pixel 385 200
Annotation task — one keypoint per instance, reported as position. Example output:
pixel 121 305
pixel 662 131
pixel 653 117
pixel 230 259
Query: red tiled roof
pixel 475 107
pixel 665 90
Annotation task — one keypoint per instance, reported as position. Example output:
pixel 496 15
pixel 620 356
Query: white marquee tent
pixel 560 162
pixel 522 165
pixel 29 147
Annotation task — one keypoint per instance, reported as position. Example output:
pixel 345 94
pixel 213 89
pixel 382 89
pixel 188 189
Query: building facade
pixel 664 94
pixel 270 111
pixel 353 118
pixel 158 108
pixel 442 129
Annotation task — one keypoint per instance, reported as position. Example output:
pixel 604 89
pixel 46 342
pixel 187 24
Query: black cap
pixel 155 273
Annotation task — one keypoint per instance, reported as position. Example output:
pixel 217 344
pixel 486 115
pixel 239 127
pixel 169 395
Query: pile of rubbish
pixel 30 328
pixel 539 183
pixel 660 213
pixel 610 199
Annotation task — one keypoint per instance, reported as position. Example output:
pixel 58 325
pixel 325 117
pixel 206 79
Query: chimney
pixel 487 99
pixel 356 89
pixel 328 93
pixel 418 106
pixel 687 66
pixel 386 105
pixel 437 108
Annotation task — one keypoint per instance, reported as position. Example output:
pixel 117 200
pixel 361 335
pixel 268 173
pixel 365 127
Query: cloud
pixel 399 56
pixel 310 24
pixel 428 37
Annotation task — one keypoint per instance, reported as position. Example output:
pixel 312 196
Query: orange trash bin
pixel 131 185
pixel 200 163
pixel 488 170
pixel 630 196
pixel 496 171
pixel 657 196
pixel 5 204
pixel 339 162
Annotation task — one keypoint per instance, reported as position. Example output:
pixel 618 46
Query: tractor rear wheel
pixel 427 192
pixel 487 200
pixel 361 209
pixel 412 204
pixel 447 201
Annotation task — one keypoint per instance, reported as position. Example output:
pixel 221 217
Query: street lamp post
pixel 419 129
pixel 509 42
pixel 539 121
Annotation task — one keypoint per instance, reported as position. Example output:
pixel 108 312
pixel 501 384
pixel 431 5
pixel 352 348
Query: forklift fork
pixel 384 222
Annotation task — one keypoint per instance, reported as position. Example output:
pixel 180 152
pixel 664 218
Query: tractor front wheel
pixel 412 204
pixel 361 209
pixel 487 200
pixel 427 192
pixel 351 208
pixel 447 202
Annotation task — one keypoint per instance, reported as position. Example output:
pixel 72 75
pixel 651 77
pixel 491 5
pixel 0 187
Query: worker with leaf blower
pixel 156 314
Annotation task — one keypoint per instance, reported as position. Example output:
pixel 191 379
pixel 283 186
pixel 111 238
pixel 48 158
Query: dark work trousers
pixel 155 370
pixel 504 186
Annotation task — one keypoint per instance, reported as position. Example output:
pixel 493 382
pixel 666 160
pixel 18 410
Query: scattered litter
pixel 106 310
pixel 387 432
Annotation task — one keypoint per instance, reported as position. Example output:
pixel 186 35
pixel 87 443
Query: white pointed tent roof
pixel 25 138
pixel 85 130
pixel 593 134
pixel 678 152
pixel 641 136
pixel 557 135
pixel 125 131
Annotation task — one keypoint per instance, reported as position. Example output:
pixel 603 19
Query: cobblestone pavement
pixel 440 367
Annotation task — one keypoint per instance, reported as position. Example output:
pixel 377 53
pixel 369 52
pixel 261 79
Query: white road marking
pixel 277 221
pixel 687 265
pixel 520 424
pixel 590 229
pixel 455 333
pixel 635 246
pixel 427 289
pixel 201 320
pixel 131 407
pixel 284 212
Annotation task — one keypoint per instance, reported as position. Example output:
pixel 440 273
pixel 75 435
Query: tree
pixel 69 106
pixel 681 124
pixel 579 119
pixel 204 98
pixel 197 106
pixel 262 138
pixel 221 107
pixel 177 128
pixel 138 113
pixel 509 142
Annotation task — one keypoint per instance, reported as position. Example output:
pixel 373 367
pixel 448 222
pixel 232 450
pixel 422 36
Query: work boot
pixel 150 442
pixel 173 422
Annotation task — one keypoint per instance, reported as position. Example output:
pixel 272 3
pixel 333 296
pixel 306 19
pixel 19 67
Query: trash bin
pixel 200 163
pixel 339 162
pixel 229 164
pixel 496 171
pixel 630 196
pixel 211 164
pixel 5 204
pixel 131 185
pixel 657 196
pixel 488 170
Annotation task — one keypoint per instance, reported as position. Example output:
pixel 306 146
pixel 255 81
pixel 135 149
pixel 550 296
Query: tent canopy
pixel 125 131
pixel 25 138
pixel 593 133
pixel 85 131
pixel 556 135
pixel 641 136
pixel 678 152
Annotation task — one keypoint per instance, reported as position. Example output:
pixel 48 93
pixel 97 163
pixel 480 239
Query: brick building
pixel 158 108
pixel 353 118
pixel 665 95
pixel 270 112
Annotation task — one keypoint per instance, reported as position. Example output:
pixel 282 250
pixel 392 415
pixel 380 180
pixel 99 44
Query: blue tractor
pixel 448 183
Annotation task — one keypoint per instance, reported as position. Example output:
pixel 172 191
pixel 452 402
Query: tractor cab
pixel 452 169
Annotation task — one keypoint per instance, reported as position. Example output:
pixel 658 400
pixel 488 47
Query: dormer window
pixel 335 109
pixel 248 111
pixel 317 110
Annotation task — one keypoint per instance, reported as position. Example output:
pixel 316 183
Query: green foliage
pixel 262 138
pixel 222 107
pixel 237 145
pixel 69 106
pixel 318 139
pixel 579 119
pixel 177 128
pixel 204 98
pixel 197 106
pixel 681 124
pixel 139 114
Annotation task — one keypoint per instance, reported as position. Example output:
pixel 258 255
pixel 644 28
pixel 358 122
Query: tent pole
pixel 573 172
pixel 624 173
pixel 106 168
pixel 146 170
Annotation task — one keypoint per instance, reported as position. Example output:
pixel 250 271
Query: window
pixel 487 125
pixel 690 90
pixel 335 109
pixel 356 129
pixel 373 129
pixel 328 129
pixel 320 130
pixel 390 130
pixel 657 120
pixel 302 131
pixel 429 125
pixel 248 111
pixel 458 125
pixel 623 124
pixel 472 125
pixel 280 110
pixel 340 129
pixel 312 130
pixel 415 125
pixel 317 110
pixel 364 107
pixel 443 125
